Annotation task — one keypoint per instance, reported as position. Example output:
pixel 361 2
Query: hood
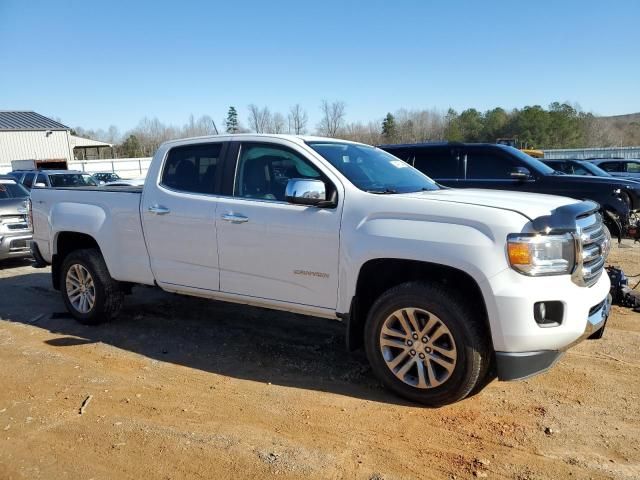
pixel 615 182
pixel 13 206
pixel 531 205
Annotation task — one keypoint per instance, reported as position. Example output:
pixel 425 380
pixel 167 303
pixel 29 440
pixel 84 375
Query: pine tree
pixel 232 120
pixel 389 127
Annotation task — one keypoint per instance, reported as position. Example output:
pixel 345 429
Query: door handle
pixel 159 210
pixel 234 218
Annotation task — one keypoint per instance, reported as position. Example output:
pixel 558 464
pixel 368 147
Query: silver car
pixel 15 230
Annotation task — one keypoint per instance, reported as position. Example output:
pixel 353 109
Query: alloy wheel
pixel 418 348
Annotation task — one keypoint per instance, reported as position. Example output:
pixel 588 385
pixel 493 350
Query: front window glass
pixel 488 165
pixel 72 180
pixel 263 171
pixel 373 170
pixel 11 189
pixel 611 166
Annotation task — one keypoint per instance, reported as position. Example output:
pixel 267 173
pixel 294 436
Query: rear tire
pixel 89 293
pixel 424 344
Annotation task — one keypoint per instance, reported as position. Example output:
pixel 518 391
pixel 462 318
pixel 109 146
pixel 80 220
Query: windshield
pixel 106 177
pixel 10 189
pixel 593 169
pixel 72 180
pixel 373 170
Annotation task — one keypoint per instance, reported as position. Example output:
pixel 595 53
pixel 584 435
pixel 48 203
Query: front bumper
pixel 15 245
pixel 520 365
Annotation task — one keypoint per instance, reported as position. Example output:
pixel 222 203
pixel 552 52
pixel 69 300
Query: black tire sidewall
pixel 422 296
pixel 86 259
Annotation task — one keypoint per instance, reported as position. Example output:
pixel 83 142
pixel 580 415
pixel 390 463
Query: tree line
pixel 561 125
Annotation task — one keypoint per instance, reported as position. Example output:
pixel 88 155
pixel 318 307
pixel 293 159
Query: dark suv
pixel 485 165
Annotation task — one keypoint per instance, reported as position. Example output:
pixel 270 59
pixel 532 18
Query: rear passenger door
pixel 179 217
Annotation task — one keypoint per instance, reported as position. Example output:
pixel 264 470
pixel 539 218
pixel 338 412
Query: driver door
pixel 268 247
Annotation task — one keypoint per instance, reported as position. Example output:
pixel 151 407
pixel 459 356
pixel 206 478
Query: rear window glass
pixel 438 163
pixel 72 180
pixel 192 168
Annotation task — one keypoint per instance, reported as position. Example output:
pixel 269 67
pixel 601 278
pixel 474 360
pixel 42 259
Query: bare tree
pixel 113 135
pixel 278 124
pixel 259 119
pixel 332 118
pixel 297 120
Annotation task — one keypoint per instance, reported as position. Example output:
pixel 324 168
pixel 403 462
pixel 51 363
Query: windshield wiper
pixel 386 191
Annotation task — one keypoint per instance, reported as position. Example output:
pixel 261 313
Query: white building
pixel 28 135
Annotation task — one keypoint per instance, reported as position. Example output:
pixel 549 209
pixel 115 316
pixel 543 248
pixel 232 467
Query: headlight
pixel 541 254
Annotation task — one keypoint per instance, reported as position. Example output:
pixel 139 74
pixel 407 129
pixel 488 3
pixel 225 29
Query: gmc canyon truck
pixel 445 288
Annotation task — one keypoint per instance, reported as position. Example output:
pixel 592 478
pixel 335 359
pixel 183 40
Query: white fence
pixel 584 153
pixel 125 167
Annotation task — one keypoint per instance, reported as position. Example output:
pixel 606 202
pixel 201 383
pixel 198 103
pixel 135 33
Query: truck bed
pixel 110 215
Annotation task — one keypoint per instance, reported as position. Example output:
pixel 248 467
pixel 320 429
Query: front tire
pixel 425 345
pixel 89 293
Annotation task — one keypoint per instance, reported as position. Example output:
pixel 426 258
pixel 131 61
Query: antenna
pixel 214 126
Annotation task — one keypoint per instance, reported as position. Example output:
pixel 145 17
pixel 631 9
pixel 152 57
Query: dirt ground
pixel 185 388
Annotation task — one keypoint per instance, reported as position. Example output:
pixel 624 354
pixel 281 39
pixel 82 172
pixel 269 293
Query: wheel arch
pixel 379 275
pixel 63 244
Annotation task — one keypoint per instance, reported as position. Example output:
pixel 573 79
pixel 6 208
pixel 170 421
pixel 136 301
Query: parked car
pixel 106 177
pixel 53 178
pixel 618 167
pixel 124 182
pixel 487 165
pixel 575 167
pixel 437 283
pixel 15 231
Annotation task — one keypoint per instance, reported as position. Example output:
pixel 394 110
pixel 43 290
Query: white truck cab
pixel 445 288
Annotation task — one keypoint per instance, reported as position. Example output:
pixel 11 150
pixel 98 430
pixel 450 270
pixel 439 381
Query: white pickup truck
pixel 445 288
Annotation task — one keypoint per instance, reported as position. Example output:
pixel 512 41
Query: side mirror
pixel 39 185
pixel 520 173
pixel 302 191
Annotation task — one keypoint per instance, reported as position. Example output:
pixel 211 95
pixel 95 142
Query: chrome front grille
pixel 10 223
pixel 593 244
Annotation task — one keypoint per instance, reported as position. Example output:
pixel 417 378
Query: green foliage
pixel 130 148
pixel 389 128
pixel 452 130
pixel 471 125
pixel 231 122
pixel 559 126
pixel 496 124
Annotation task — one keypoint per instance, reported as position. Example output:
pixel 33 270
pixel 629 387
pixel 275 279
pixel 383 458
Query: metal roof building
pixel 30 136
pixel 27 135
pixel 11 120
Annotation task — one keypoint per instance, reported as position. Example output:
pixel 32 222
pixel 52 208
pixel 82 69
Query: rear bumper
pixel 15 245
pixel 521 365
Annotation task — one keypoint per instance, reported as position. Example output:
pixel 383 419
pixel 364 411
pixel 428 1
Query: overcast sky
pixel 97 63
